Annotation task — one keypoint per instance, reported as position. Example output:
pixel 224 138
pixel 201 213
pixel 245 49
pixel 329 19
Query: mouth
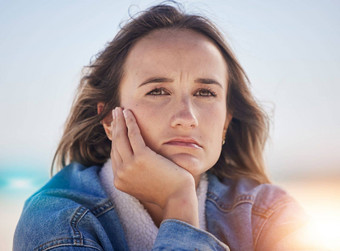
pixel 184 142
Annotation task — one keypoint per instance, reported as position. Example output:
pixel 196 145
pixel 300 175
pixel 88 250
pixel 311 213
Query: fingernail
pixel 125 113
pixel 113 114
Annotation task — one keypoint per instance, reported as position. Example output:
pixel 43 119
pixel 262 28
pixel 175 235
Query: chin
pixel 190 163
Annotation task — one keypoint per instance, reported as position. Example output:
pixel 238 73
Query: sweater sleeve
pixel 178 235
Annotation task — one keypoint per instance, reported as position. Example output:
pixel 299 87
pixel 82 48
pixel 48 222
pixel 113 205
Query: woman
pixel 162 150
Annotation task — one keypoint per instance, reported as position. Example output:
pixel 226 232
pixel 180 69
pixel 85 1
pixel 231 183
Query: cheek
pixel 215 139
pixel 149 120
pixel 214 125
pixel 214 117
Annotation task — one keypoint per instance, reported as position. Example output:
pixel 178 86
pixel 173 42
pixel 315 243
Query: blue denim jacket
pixel 72 212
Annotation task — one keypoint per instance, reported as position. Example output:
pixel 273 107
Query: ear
pixel 227 121
pixel 106 122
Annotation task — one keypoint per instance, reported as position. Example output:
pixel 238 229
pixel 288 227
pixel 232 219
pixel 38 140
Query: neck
pixel 155 212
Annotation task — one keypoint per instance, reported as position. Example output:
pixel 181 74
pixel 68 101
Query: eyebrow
pixel 207 81
pixel 156 80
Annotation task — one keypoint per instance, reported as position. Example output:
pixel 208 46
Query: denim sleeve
pixel 75 248
pixel 178 235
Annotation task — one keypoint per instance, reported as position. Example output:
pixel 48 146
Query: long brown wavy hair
pixel 84 139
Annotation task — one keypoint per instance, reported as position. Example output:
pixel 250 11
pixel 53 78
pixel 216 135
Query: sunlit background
pixel 290 50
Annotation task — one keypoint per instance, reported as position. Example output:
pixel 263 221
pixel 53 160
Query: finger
pixel 122 141
pixel 135 137
pixel 115 157
pixel 116 162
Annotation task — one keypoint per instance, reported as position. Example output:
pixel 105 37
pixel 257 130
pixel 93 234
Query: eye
pixel 158 92
pixel 205 93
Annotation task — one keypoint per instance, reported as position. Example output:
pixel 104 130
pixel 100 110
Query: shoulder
pixel 257 215
pixel 56 214
pixel 74 185
pixel 228 194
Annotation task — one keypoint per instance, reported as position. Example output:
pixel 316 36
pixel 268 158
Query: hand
pixel 148 176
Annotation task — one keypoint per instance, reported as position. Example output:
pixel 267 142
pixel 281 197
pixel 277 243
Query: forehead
pixel 175 50
pixel 174 38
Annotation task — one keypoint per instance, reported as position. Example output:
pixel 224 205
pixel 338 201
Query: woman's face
pixel 175 83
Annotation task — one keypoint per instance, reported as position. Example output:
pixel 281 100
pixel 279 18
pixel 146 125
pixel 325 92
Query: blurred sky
pixel 290 50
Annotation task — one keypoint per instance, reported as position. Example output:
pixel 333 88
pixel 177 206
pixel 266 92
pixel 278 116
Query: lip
pixel 184 142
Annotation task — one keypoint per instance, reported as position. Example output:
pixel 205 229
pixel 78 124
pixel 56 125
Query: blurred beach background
pixel 289 49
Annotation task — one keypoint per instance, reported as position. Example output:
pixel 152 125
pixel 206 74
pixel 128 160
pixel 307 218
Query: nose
pixel 184 115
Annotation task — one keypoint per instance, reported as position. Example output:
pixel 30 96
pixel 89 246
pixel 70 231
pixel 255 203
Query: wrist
pixel 183 206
